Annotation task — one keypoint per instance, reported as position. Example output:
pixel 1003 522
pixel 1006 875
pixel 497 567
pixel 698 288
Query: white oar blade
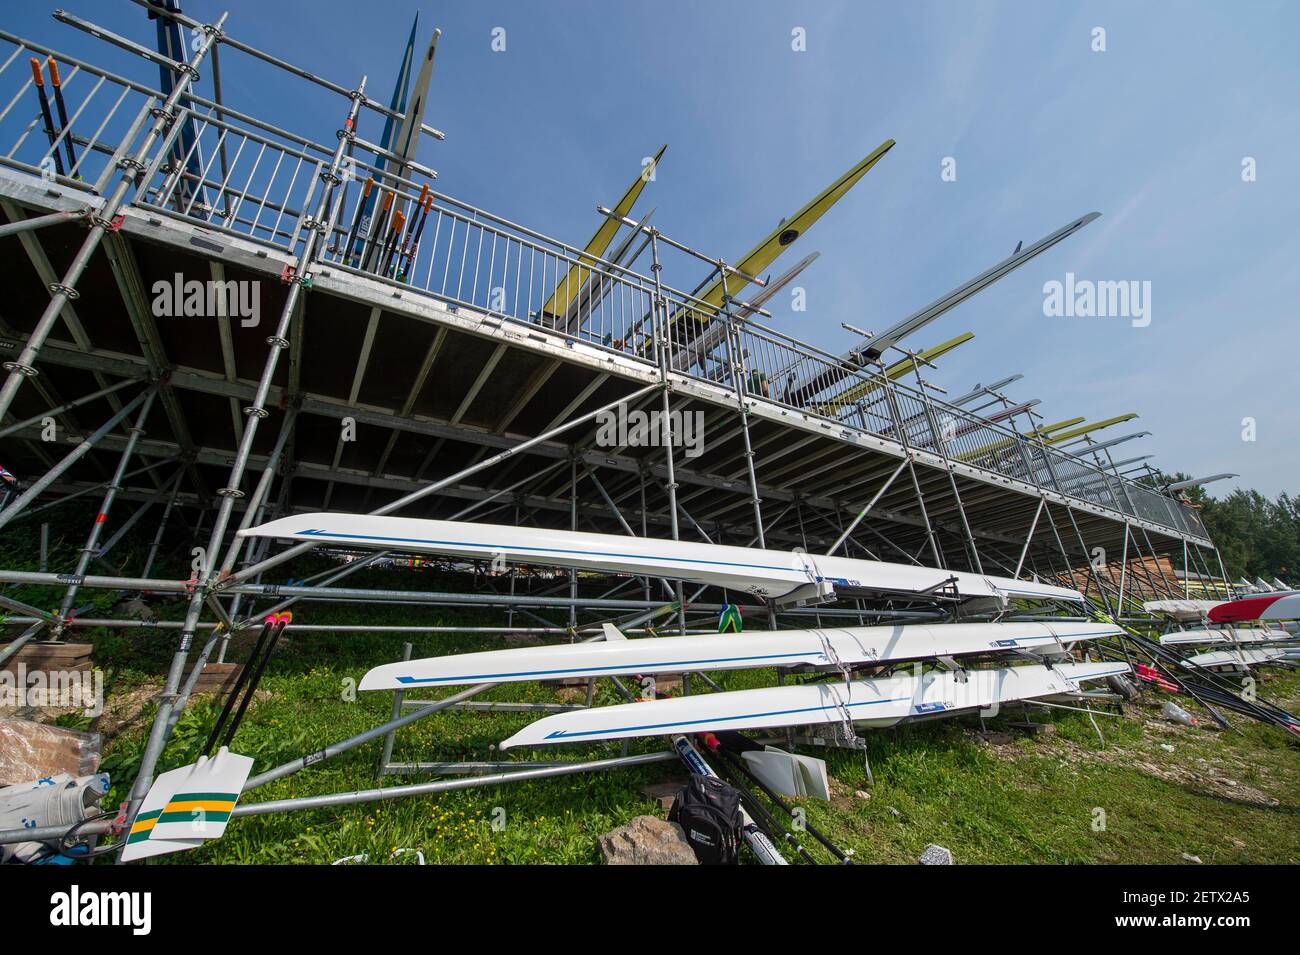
pixel 187 806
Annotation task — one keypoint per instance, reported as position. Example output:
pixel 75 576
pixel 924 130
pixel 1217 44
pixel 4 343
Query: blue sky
pixel 1151 133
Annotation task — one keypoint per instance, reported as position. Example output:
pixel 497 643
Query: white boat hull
pixel 733 651
pixel 781 575
pixel 1222 635
pixel 880 702
pixel 1243 657
pixel 1184 610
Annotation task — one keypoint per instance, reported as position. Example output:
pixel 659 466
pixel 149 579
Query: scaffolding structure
pixel 447 384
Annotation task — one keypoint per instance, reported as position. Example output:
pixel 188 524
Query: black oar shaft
pixel 39 80
pixel 57 83
pixel 240 681
pixel 415 241
pixel 739 766
pixel 373 239
pixel 253 682
pixel 356 219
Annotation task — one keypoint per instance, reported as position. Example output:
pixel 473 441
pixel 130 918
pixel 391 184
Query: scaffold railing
pixel 227 171
pixel 774 367
pixel 112 107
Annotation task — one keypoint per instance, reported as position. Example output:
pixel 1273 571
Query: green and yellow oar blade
pixel 764 254
pixel 569 286
pixel 985 449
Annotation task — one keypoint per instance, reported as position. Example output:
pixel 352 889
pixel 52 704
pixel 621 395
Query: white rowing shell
pixel 764 573
pixel 733 651
pixel 1242 657
pixel 879 702
pixel 1223 635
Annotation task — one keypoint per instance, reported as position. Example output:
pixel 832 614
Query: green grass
pixel 1033 799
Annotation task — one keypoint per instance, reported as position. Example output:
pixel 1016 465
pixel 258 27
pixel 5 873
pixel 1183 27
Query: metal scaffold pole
pixel 90 550
pixel 17 506
pixel 940 442
pixel 736 364
pixel 319 225
pixel 663 351
pixel 428 489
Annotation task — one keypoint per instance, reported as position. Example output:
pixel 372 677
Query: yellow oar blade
pixel 985 449
pixel 568 287
pixel 1007 442
pixel 900 368
pixel 765 253
pixel 894 372
pixel 1049 429
pixel 1088 429
pixel 1053 428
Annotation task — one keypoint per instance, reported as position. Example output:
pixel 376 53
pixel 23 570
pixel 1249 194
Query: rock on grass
pixel 647 841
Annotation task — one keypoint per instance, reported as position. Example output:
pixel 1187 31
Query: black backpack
pixel 708 810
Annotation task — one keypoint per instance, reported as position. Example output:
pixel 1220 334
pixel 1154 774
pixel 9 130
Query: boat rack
pixel 445 383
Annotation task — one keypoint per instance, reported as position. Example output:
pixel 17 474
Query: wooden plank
pixel 47 655
pixel 217 678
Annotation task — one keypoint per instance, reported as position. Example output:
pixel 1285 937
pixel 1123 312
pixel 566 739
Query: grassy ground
pixel 992 795
pixel 1001 796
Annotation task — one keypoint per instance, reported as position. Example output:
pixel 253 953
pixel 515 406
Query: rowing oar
pixel 368 247
pixel 250 673
pixel 39 78
pixel 63 111
pixel 739 765
pixel 395 223
pixel 1149 647
pixel 759 842
pixel 280 621
pixel 384 240
pixel 356 219
pixel 235 690
pixel 415 242
pixel 410 223
pixel 390 247
pixel 767 821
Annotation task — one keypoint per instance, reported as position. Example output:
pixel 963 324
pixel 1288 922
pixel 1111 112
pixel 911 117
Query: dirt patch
pixel 842 795
pixel 124 712
pixel 1205 777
